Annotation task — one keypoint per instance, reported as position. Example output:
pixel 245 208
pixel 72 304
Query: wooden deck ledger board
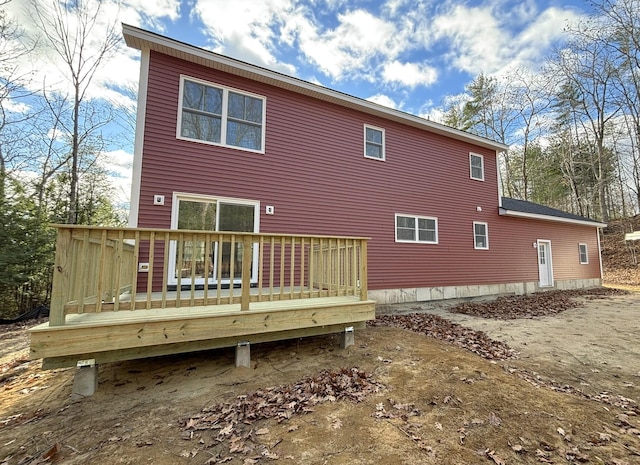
pixel 129 330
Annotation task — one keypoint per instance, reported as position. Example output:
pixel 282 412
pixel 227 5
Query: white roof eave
pixel 537 216
pixel 144 40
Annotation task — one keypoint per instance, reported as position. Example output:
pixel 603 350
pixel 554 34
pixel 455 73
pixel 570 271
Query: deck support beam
pixel 347 337
pixel 243 355
pixel 85 380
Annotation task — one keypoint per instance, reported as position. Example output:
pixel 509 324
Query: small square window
pixel 476 166
pixel 374 143
pixel 481 235
pixel 584 256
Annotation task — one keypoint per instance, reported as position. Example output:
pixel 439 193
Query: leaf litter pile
pixel 503 308
pixel 231 423
pixel 440 328
pixel 532 305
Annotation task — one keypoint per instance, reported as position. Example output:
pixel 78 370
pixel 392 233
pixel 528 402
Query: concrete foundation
pixel 426 294
pixel 85 380
pixel 243 355
pixel 347 338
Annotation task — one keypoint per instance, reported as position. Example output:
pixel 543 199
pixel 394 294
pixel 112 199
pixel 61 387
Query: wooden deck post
pixel 61 280
pixel 363 270
pixel 247 258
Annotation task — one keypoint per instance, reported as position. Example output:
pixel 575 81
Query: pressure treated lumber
pixel 95 332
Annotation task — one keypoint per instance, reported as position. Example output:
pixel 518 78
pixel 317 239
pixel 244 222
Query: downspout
pixel 599 230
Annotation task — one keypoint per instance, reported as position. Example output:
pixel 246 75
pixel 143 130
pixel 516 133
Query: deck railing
pixel 100 269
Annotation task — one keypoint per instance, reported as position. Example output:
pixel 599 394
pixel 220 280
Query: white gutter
pixel 537 216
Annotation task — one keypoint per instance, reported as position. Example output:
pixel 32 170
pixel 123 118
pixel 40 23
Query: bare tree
pixel 587 68
pixel 528 96
pixel 622 21
pixel 75 34
pixel 13 46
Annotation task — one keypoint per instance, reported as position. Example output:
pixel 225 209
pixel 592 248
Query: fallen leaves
pixel 629 405
pixel 532 305
pixel 440 328
pixel 493 456
pixel 494 420
pixel 231 421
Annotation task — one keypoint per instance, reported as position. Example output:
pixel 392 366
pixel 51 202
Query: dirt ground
pixel 571 396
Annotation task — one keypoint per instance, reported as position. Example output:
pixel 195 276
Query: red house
pixel 265 207
pixel 223 145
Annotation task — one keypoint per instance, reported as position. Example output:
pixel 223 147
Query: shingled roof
pixel 523 208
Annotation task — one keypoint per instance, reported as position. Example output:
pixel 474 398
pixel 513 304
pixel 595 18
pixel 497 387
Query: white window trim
pixel 486 230
pixel 177 197
pixel 416 217
pixel 471 155
pixel 586 253
pixel 223 134
pixel 364 136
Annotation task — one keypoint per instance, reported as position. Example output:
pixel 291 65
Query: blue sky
pixel 410 55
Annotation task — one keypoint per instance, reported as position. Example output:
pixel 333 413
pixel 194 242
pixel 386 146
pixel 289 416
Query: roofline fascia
pixel 129 31
pixel 536 216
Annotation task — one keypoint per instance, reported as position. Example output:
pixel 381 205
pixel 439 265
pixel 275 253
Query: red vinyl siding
pixel 315 175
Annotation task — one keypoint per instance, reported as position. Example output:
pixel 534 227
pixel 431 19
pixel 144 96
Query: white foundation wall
pixel 423 294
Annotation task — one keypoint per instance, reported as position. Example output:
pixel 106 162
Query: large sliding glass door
pixel 202 213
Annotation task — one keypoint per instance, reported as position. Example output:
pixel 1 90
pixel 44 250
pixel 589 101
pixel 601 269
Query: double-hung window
pixel 476 166
pixel 219 115
pixel 480 235
pixel 582 251
pixel 416 229
pixel 373 142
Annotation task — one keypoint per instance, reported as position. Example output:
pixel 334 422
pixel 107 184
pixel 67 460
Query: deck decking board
pixel 145 329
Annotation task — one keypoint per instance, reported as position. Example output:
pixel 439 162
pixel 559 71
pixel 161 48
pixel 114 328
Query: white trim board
pixel 536 216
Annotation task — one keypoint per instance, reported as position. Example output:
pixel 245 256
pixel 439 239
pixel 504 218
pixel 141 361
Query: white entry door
pixel 545 268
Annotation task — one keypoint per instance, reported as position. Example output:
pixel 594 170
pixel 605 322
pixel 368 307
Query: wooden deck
pixel 287 287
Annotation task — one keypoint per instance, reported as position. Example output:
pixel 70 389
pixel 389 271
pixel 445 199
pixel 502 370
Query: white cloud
pixel 349 47
pixel 409 74
pixel 477 40
pixel 384 100
pixel 244 29
pixel 14 106
pixel 499 35
pixel 118 164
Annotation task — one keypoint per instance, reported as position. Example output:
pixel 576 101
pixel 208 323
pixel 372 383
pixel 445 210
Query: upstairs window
pixel 582 251
pixel 218 115
pixel 416 229
pixel 373 142
pixel 476 166
pixel 480 235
